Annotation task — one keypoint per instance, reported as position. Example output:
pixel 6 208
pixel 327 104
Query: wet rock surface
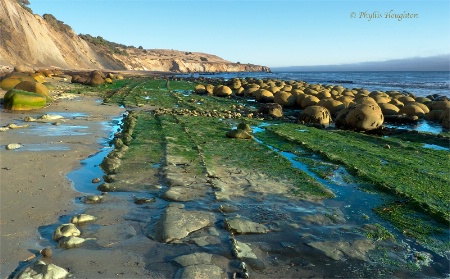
pixel 177 223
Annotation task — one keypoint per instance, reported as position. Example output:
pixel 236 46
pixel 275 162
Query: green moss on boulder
pixel 16 99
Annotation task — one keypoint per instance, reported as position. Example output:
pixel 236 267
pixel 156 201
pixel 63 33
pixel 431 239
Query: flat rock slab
pixel 206 271
pixel 336 250
pixel 242 226
pixel 177 223
pixel 194 259
pixel 183 193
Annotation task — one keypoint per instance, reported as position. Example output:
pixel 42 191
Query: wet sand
pixel 35 191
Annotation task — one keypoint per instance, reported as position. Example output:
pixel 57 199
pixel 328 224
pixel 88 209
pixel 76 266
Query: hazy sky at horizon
pixel 271 33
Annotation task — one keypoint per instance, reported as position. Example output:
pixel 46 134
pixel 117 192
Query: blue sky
pixel 271 33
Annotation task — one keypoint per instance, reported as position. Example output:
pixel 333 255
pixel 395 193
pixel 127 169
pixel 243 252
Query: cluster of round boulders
pixel 26 89
pixel 95 78
pixel 355 109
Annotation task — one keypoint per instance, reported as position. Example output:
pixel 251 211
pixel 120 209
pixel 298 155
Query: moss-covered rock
pixel 35 87
pixel 245 127
pixel 238 134
pixel 9 83
pixel 16 99
pixel 271 109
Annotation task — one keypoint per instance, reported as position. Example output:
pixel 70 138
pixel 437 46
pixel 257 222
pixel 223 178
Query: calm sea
pixel 418 83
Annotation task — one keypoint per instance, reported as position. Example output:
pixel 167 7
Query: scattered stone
pixel 96 180
pixel 46 252
pixel 92 199
pixel 3 129
pixel 72 242
pixel 238 134
pixel 387 146
pixel 106 187
pixel 177 223
pixel 143 200
pixel 239 225
pixel 29 119
pixel 13 146
pixel 14 126
pixel 40 269
pixel 65 230
pixel 50 117
pixel 82 218
pixel 245 127
pixel 226 208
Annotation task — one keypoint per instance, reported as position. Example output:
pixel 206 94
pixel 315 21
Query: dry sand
pixel 34 189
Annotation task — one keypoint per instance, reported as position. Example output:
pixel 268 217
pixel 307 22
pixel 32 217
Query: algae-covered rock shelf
pixel 222 185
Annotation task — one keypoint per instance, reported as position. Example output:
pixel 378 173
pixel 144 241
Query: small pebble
pixel 96 180
pixel 47 252
pixel 12 146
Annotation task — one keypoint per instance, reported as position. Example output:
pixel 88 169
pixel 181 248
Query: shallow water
pixel 422 126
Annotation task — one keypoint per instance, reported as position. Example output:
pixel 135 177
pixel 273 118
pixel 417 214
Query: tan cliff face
pixel 28 39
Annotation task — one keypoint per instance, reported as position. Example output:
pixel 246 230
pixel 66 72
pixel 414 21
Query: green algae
pixel 405 169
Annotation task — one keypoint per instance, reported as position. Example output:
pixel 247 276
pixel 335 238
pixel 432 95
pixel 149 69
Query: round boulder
pixel 315 115
pixel 285 99
pixel 309 101
pixel 389 109
pixel 223 91
pixel 410 109
pixel 333 106
pixel 360 117
pixel 200 89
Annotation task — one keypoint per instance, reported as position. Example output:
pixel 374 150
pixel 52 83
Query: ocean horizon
pixel 419 83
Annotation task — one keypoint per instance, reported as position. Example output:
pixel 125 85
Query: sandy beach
pixel 35 191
